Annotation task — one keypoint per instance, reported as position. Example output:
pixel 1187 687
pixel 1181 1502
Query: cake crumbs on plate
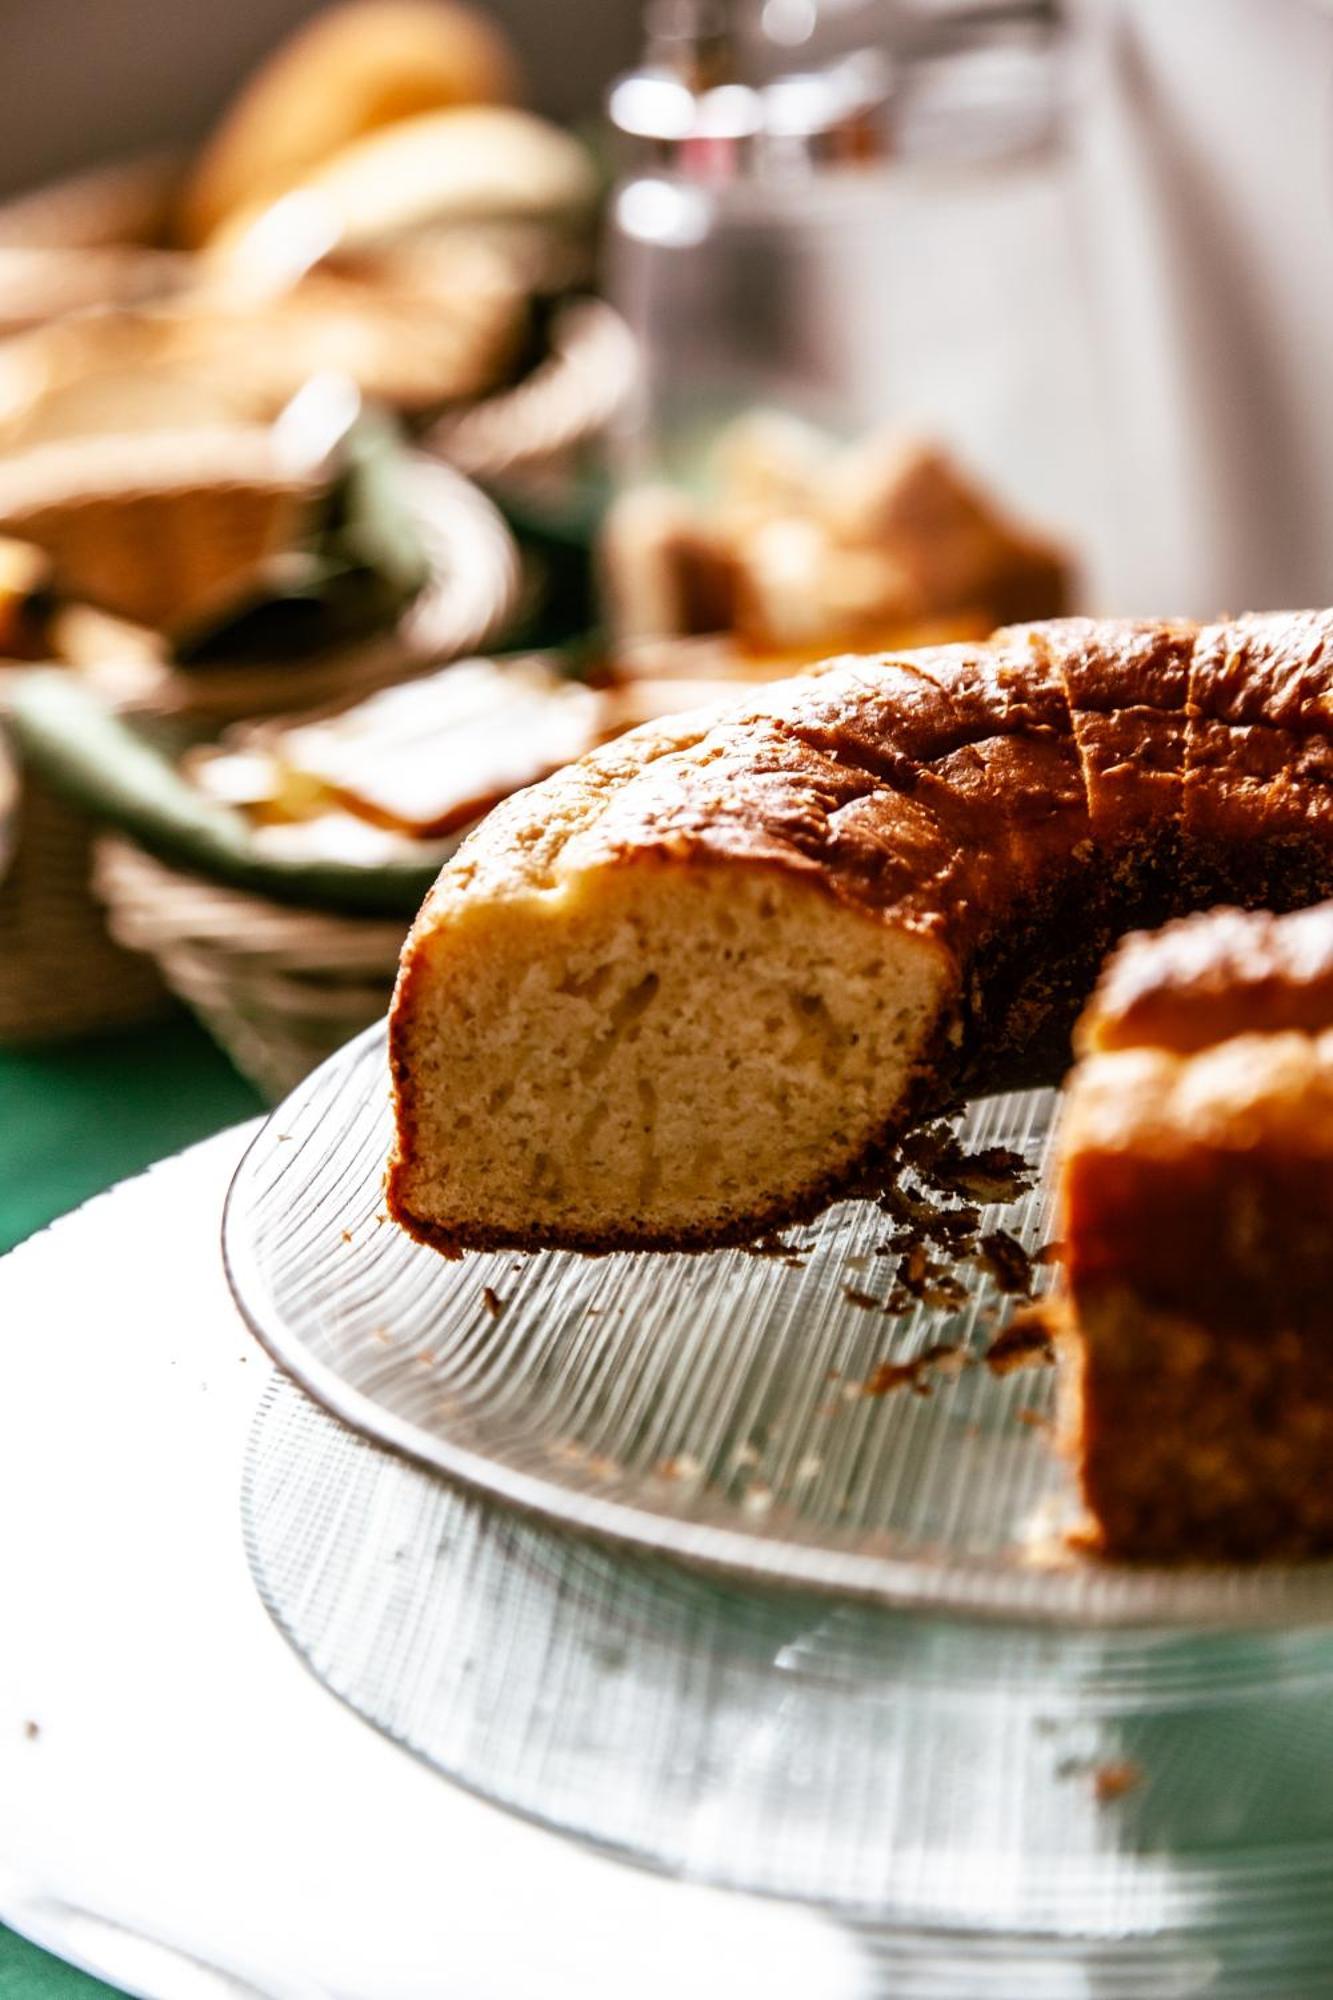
pixel 994 1174
pixel 1007 1261
pixel 889 1375
pixel 681 1469
pixel 778 1248
pixel 1027 1341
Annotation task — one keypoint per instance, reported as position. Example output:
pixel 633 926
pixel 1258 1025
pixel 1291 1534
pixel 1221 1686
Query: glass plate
pixel 990 1811
pixel 723 1409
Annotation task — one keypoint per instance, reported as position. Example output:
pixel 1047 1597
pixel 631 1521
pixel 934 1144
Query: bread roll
pixel 349 71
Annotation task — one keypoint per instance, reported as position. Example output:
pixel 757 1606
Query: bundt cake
pixel 688 988
pixel 1196 1197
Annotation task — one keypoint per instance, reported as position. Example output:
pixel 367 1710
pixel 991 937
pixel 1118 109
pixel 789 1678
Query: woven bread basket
pixel 567 402
pixel 279 987
pixel 39 285
pixel 156 529
pixel 473 586
pixel 61 974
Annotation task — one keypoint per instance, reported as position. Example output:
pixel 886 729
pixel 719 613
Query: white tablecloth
pixel 181 1806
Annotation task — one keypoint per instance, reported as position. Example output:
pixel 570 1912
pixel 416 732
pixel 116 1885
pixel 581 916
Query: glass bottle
pixel 865 217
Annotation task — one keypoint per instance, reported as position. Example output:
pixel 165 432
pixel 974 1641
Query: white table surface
pixel 182 1807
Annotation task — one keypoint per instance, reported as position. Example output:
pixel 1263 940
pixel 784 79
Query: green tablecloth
pixel 73 1120
pixel 29 1974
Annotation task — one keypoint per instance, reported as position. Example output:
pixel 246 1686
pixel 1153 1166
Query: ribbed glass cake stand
pixel 714 1579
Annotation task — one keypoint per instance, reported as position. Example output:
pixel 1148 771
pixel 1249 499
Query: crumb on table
pixel 1114 1779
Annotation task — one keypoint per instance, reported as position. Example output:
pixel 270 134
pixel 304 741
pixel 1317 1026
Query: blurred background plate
pixel 769 1416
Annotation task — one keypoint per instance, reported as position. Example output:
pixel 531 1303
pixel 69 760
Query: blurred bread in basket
pixel 105 373
pixel 490 172
pixel 126 203
pixel 373 203
pixel 419 260
pixel 387 123
pixel 351 70
pixel 231 569
pixel 415 337
pixel 418 332
pixel 41 285
pixel 411 764
pixel 424 293
pixel 97 238
pixel 803 549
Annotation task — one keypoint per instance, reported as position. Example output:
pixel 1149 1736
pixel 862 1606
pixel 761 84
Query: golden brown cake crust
pixel 1210 976
pixel 872 772
pixel 1274 668
pixel 814 772
pixel 1017 803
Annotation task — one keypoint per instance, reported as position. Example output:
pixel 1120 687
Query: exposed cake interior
pixel 1196 1186
pixel 605 992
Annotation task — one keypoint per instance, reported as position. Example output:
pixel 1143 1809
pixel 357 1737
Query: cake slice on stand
pixel 1197 1199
